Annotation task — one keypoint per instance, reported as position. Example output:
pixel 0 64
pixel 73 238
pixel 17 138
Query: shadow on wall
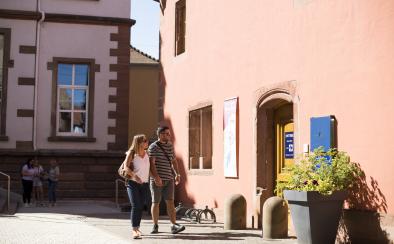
pixel 181 194
pixel 361 223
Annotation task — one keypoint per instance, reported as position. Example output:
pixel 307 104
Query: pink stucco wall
pixel 339 55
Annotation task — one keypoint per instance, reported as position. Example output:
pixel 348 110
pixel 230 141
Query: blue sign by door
pixel 289 144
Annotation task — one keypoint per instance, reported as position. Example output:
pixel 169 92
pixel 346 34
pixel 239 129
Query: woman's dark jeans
pixel 136 194
pixel 27 189
pixel 52 191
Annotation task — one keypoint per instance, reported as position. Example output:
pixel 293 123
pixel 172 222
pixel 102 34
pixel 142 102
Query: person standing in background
pixel 27 173
pixel 53 178
pixel 37 183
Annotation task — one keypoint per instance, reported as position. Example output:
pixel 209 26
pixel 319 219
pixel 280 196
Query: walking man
pixel 164 176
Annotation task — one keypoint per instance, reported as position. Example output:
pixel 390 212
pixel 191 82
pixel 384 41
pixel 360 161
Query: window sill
pixel 203 172
pixel 3 138
pixel 71 139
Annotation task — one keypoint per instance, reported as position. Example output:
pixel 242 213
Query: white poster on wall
pixel 230 137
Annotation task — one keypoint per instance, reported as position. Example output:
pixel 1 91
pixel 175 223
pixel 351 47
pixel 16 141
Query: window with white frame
pixel 72 99
pixel 200 138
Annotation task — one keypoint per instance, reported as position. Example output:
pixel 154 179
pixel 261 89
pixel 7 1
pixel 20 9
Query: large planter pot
pixel 315 216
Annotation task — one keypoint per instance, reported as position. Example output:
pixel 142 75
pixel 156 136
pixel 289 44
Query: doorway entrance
pixel 274 144
pixel 284 140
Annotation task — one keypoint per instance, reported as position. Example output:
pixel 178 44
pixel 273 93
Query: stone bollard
pixel 275 218
pixel 235 213
pixel 261 196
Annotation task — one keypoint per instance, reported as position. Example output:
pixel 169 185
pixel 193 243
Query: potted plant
pixel 315 188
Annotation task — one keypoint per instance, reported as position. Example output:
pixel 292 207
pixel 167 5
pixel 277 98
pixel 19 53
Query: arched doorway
pixel 274 138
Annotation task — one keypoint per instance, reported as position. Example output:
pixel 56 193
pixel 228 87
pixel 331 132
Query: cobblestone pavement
pixel 100 222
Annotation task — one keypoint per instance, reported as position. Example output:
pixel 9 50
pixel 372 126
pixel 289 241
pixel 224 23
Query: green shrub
pixel 324 172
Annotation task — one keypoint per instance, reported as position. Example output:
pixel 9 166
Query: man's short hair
pixel 161 129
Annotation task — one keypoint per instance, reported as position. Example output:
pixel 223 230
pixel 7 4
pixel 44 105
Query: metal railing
pixel 117 191
pixel 8 190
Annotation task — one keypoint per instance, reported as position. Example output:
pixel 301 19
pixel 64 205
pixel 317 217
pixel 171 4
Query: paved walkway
pixel 100 222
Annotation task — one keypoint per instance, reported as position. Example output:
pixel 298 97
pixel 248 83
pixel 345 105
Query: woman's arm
pixel 128 165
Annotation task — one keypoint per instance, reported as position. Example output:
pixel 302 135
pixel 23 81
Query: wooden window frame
pixel 6 32
pixel 201 170
pixel 88 136
pixel 180 27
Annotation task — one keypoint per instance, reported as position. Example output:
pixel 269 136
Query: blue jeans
pixel 137 196
pixel 52 191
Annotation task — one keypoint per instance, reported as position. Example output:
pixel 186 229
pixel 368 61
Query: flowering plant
pixel 324 172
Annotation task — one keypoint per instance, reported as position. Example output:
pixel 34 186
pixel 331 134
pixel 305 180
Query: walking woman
pixel 137 167
pixel 27 181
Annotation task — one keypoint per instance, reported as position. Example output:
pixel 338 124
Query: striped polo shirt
pixel 163 166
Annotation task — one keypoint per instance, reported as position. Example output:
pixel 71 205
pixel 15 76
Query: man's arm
pixel 175 167
pixel 153 172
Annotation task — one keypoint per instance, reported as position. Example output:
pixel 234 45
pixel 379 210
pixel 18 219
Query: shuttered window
pixel 200 138
pixel 180 26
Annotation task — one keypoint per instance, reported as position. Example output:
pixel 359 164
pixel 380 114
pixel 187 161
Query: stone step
pixel 15 202
pixel 82 175
pixel 3 204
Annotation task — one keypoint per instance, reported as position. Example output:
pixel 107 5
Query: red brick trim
pixel 65 18
pixel 121 67
pixel 23 145
pixel 112 98
pixel 112 115
pixel 72 139
pixel 111 130
pixel 26 81
pixel 25 113
pixel 3 138
pixel 11 63
pixel 113 83
pixel 19 14
pixel 50 66
pixel 27 49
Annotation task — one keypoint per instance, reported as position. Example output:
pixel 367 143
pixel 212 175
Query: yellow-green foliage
pixel 320 171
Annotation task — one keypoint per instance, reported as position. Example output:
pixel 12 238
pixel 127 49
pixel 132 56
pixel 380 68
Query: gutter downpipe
pixel 36 76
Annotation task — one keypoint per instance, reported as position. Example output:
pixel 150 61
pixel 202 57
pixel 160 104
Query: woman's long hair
pixel 29 163
pixel 136 143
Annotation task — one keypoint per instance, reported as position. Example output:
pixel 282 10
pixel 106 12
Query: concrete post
pixel 261 196
pixel 235 213
pixel 275 218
